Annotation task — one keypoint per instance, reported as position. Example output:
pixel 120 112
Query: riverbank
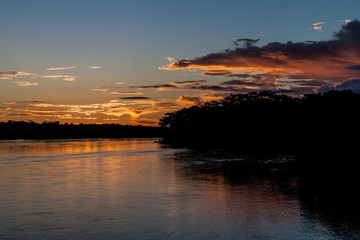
pixel 55 130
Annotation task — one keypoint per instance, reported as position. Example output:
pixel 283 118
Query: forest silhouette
pixel 55 130
pixel 320 130
pixel 266 119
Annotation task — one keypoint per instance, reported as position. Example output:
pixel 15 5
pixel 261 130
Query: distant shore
pixel 55 130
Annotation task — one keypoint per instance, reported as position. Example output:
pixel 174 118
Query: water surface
pixel 140 189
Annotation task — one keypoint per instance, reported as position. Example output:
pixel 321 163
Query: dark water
pixel 140 189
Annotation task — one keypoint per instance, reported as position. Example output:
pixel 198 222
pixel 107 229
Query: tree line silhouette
pixel 266 119
pixel 325 121
pixel 55 130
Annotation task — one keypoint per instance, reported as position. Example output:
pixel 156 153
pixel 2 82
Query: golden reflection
pixel 44 147
pixel 129 184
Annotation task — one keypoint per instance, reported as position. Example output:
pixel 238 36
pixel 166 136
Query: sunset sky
pixel 129 62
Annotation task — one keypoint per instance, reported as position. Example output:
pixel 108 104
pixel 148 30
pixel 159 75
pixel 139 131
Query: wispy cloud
pixel 189 82
pixel 54 76
pixel 94 67
pixel 158 86
pixel 25 84
pixel 317 26
pixel 345 21
pixel 197 85
pixel 126 93
pixel 60 68
pixel 98 90
pixel 216 72
pixel 11 74
pixel 64 77
pixel 69 78
pixel 134 98
pixel 170 59
pixel 25 74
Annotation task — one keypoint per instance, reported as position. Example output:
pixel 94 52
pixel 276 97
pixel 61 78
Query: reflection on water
pixel 139 189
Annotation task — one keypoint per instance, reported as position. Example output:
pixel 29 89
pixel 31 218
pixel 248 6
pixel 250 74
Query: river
pixel 142 189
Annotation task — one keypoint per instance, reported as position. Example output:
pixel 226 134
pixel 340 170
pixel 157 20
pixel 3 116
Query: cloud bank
pixel 293 66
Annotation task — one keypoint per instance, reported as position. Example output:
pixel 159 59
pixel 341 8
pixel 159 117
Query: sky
pixel 130 62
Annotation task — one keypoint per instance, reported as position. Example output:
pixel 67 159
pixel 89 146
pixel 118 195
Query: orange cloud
pixel 25 84
pixel 324 60
pixel 127 93
pixel 218 72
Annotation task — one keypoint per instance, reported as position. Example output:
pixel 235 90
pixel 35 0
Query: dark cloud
pixel 213 88
pixel 288 91
pixel 155 86
pixel 188 98
pixel 146 121
pixel 266 81
pixel 274 54
pixel 303 82
pixel 133 98
pixel 354 67
pixel 166 104
pixel 13 73
pixel 17 115
pixel 349 33
pixel 333 60
pixel 33 101
pixel 190 82
pixel 241 83
pixel 349 84
pixel 199 86
pixel 247 42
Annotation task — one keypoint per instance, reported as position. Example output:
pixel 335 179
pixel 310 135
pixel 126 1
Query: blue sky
pixel 128 41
